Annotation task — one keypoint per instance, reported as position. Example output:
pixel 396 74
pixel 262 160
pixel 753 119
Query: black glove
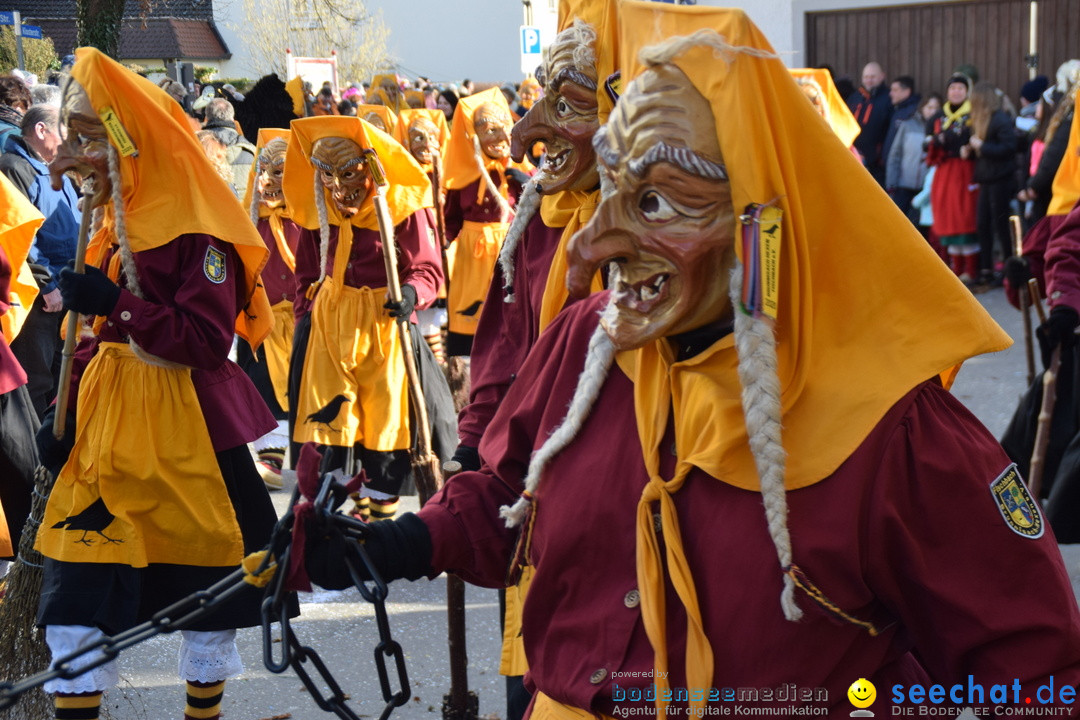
pixel 1018 272
pixel 467 457
pixel 398 549
pixel 1058 330
pixel 54 453
pixel 517 175
pixel 405 308
pixel 90 293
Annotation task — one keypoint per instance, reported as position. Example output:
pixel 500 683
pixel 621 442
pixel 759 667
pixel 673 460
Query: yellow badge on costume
pixel 1019 509
pixel 214 265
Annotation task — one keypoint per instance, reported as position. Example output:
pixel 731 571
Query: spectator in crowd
pixel 1030 93
pixel 467 87
pixel 905 101
pixel 905 166
pixel 954 193
pixel 43 94
pixel 447 102
pixel 325 103
pixel 993 142
pixel 221 121
pixel 26 164
pixel 14 101
pixel 872 109
pixel 1058 103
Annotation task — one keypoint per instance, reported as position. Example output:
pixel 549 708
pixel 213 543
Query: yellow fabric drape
pixel 1066 187
pixel 388 115
pixel 295 88
pixel 115 492
pixel 19 222
pixel 840 363
pixel 265 135
pixel 602 16
pixel 159 209
pixel 409 188
pixel 544 708
pixel 837 113
pixel 438 117
pixel 278 347
pixel 512 661
pixel 570 210
pixel 471 258
pixel 396 106
pixel 459 164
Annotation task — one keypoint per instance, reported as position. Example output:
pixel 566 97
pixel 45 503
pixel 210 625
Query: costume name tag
pixel 214 265
pixel 117 133
pixel 1020 510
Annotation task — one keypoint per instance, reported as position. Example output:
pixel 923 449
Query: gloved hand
pixel 53 453
pixel 467 457
pixel 398 549
pixel 1018 272
pixel 1058 330
pixel 90 293
pixel 518 175
pixel 406 306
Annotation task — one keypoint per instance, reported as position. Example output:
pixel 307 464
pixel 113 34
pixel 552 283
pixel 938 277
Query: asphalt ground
pixel 341 627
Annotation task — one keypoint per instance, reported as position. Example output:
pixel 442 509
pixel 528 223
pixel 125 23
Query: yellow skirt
pixel 544 708
pixel 142 484
pixel 472 259
pixel 353 388
pixel 513 662
pixel 278 346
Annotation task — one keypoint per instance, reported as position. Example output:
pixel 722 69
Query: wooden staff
pixel 440 221
pixel 1042 431
pixel 425 464
pixel 72 337
pixel 1024 299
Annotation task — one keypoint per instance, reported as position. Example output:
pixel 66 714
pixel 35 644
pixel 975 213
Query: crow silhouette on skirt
pixel 472 309
pixel 95 518
pixel 326 414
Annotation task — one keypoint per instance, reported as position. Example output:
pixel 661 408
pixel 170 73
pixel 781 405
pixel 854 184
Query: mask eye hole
pixel 655 209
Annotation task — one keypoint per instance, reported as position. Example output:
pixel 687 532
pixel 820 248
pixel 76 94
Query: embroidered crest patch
pixel 214 265
pixel 1019 509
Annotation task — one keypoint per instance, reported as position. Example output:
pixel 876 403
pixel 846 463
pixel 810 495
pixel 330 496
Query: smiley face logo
pixel 862 693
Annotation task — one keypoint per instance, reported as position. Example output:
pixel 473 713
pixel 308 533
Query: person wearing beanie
pixel 739 467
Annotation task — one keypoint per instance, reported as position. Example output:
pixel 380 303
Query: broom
pixel 22 645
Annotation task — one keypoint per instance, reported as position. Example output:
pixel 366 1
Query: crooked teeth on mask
pixel 555 162
pixel 652 290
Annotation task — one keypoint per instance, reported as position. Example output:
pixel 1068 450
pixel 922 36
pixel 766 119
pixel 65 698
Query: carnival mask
pixel 84 146
pixel 814 94
pixel 271 169
pixel 376 119
pixel 423 139
pixel 492 124
pixel 669 226
pixel 565 120
pixel 340 165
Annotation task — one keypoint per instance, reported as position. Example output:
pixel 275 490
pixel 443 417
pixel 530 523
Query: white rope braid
pixel 755 344
pixel 668 50
pixel 528 204
pixel 256 193
pixel 584 39
pixel 598 361
pixel 127 259
pixel 324 228
pixel 504 206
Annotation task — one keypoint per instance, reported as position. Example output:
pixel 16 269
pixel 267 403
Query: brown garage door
pixel 928 41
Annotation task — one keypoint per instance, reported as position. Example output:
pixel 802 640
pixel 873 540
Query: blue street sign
pixel 31 31
pixel 530 40
pixel 6 18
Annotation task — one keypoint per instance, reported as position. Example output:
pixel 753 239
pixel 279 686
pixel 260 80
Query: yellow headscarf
pixel 265 136
pixel 409 189
pixel 389 117
pixel 295 88
pixel 837 113
pixel 169 187
pixel 1066 187
pixel 436 116
pixel 459 163
pixel 866 311
pixel 376 90
pixel 277 214
pixel 19 222
pixel 601 15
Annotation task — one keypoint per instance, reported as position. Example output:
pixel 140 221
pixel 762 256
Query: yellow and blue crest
pixel 1020 510
pixel 214 265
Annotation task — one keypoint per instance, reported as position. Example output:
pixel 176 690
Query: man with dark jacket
pixel 25 163
pixel 905 101
pixel 872 108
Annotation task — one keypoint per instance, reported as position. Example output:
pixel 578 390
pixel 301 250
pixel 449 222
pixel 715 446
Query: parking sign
pixel 530 48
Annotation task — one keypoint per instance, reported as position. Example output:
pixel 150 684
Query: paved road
pixel 344 633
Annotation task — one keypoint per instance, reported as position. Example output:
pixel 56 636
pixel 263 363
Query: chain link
pixel 275 608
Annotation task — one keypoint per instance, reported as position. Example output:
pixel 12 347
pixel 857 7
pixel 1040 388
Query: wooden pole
pixel 1042 431
pixel 72 337
pixel 1025 300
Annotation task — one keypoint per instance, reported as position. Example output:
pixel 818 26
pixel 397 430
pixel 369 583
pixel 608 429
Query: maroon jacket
pixel 189 319
pixel 906 535
pixel 277 278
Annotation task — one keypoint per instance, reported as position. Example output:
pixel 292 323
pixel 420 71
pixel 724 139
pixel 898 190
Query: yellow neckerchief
pixel 957 116
pixel 409 188
pixel 569 209
pixel 19 223
pixel 277 228
pixel 156 146
pixel 1066 187
pixel 832 348
pixel 499 166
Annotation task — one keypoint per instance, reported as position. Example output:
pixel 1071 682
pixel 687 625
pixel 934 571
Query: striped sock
pixel 78 707
pixel 361 507
pixel 384 509
pixel 204 700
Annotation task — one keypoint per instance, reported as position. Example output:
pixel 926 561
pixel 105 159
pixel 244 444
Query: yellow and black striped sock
pixel 204 700
pixel 384 509
pixel 84 706
pixel 361 507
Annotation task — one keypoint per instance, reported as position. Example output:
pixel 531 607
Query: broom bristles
pixel 23 650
